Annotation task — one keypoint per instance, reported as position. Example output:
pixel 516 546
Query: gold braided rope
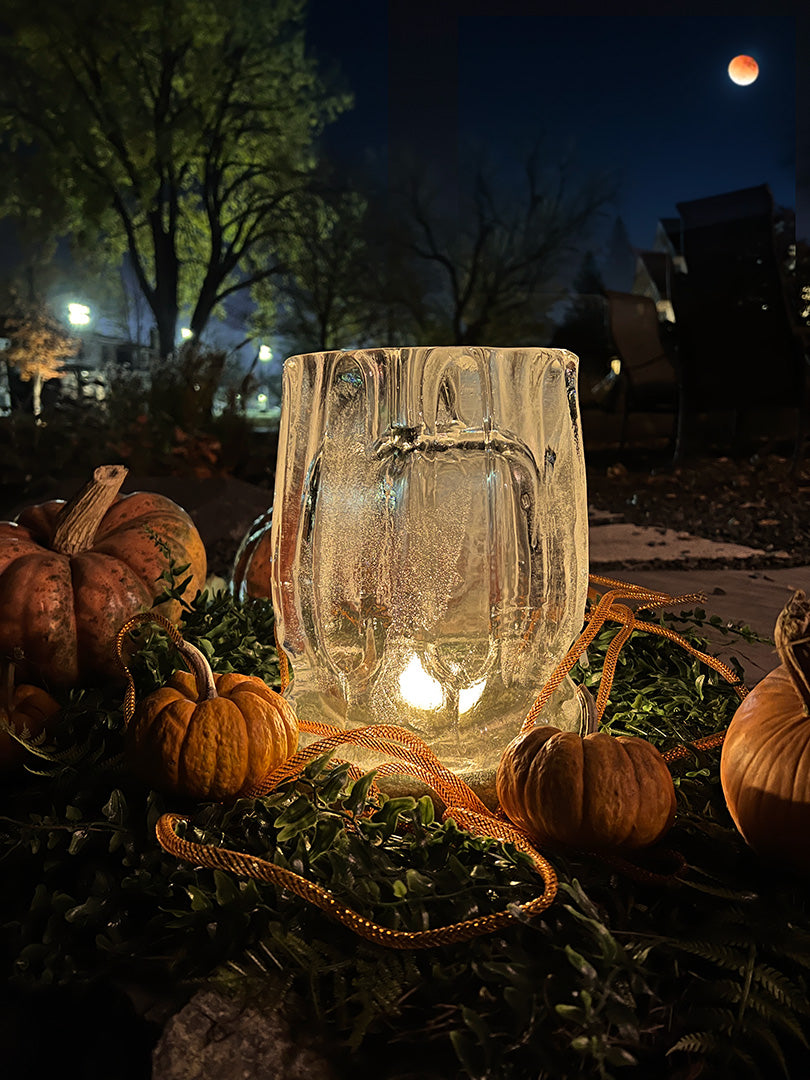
pixel 409 755
pixel 263 870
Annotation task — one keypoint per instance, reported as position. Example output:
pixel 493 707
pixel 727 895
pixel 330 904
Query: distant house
pixel 653 279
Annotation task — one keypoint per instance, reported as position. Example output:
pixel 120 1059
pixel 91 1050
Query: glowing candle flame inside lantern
pixel 470 696
pixel 419 689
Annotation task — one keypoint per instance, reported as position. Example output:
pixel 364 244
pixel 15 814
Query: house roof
pixel 753 202
pixel 656 263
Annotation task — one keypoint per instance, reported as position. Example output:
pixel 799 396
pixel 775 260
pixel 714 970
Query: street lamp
pixel 265 353
pixel 78 314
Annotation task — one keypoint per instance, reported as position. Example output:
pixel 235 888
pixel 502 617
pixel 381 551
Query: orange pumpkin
pixel 250 578
pixel 765 763
pixel 23 709
pixel 72 573
pixel 210 736
pixel 594 792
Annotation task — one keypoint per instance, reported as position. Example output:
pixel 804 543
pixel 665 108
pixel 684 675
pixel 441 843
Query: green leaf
pixel 468 1053
pixel 77 841
pixel 86 913
pixel 698 1042
pixel 200 901
pixel 226 890
pixel 115 809
pixel 299 816
pixel 356 799
pixel 426 810
pixel 580 964
pixel 617 1055
pixel 571 1012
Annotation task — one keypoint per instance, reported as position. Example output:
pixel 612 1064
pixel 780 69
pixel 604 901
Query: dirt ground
pixel 758 502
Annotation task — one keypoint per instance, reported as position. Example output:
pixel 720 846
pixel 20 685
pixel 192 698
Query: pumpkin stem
pixel 80 517
pixel 792 637
pixel 199 668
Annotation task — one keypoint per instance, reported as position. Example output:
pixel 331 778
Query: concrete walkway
pixel 753 597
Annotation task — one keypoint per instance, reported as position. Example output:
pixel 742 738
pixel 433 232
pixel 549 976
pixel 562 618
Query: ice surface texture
pixel 430 543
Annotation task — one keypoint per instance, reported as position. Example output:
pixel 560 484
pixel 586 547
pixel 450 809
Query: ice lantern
pixel 429 539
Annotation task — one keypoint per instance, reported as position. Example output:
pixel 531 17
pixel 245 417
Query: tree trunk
pixel 163 300
pixel 37 400
pixel 167 328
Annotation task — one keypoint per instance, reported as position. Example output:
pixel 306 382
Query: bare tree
pixel 338 291
pixel 494 264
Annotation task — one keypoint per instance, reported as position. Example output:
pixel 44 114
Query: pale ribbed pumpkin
pixel 765 763
pixel 72 573
pixel 250 577
pixel 24 709
pixel 210 736
pixel 594 792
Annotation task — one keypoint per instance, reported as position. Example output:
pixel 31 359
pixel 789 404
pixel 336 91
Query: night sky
pixel 644 99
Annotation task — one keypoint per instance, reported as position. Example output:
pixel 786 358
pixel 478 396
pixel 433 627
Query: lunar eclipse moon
pixel 743 70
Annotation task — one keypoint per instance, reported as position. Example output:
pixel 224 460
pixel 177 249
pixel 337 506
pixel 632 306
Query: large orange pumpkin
pixel 594 792
pixel 72 573
pixel 250 578
pixel 210 736
pixel 765 764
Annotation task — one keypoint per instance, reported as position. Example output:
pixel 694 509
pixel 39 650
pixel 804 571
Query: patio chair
pixel 649 373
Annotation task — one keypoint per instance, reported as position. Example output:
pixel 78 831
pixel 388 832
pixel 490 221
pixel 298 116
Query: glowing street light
pixel 78 314
pixel 265 352
pixel 185 333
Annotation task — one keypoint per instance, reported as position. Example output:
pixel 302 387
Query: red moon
pixel 743 70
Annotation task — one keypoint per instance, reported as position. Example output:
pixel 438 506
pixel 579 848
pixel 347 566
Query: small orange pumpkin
pixel 210 736
pixel 765 763
pixel 23 708
pixel 71 573
pixel 250 577
pixel 594 792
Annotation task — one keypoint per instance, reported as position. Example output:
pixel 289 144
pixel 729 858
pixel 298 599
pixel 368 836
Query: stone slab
pixel 751 597
pixel 612 542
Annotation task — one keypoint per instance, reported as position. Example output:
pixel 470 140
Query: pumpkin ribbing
pixel 592 791
pixel 209 736
pixel 60 609
pixel 765 764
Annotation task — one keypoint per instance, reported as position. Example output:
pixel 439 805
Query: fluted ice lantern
pixel 430 544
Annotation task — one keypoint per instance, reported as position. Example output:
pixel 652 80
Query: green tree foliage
pixel 178 131
pixel 493 262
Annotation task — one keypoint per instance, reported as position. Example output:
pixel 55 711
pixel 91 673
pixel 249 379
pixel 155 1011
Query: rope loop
pixel 408 755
